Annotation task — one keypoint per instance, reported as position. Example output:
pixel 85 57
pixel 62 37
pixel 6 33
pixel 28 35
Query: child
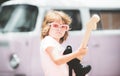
pixel 54 32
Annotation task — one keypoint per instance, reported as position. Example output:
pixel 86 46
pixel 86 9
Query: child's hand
pixel 82 52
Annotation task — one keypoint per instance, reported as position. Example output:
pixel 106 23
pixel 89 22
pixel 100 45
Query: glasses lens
pixel 65 27
pixel 55 25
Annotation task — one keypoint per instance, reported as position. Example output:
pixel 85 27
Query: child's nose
pixel 59 28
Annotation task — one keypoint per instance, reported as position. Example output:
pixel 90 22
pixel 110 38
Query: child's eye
pixel 55 25
pixel 64 27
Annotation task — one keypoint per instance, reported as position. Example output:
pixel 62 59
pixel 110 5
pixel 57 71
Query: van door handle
pixel 14 61
pixel 95 45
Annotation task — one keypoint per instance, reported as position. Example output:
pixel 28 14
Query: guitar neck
pixel 85 39
pixel 91 25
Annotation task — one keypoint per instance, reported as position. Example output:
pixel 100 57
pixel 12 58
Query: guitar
pixel 91 25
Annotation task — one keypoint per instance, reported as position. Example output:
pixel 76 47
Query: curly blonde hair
pixel 50 17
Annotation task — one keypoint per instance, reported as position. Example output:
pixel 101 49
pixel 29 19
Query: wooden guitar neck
pixel 91 25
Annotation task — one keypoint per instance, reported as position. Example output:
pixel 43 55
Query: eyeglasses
pixel 63 26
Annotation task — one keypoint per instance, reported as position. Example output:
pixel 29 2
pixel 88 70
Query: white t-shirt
pixel 48 66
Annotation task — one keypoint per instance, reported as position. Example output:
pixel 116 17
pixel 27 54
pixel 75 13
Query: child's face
pixel 58 29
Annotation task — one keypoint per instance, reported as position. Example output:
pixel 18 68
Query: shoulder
pixel 48 42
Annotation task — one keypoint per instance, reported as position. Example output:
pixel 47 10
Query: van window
pixel 76 18
pixel 110 19
pixel 18 18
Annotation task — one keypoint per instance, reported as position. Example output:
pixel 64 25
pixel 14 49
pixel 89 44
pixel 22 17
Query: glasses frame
pixel 63 27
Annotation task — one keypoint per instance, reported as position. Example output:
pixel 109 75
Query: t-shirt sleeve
pixel 48 43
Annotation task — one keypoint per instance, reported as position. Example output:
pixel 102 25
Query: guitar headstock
pixel 92 23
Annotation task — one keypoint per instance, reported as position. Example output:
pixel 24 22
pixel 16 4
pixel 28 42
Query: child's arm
pixel 63 58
